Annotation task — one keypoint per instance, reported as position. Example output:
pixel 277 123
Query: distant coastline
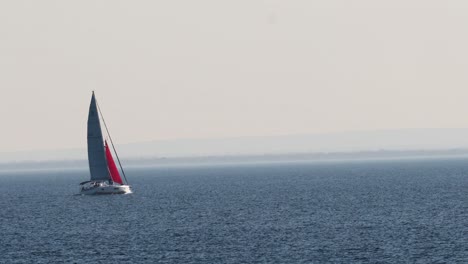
pixel 352 144
pixel 244 159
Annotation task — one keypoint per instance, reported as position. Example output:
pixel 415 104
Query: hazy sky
pixel 204 69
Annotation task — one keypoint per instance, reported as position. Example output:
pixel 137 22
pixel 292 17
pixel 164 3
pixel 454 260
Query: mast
pixel 112 142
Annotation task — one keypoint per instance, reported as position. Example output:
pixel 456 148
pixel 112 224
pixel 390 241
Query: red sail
pixel 114 172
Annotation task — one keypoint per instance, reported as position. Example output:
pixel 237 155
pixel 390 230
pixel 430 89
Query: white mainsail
pixel 96 156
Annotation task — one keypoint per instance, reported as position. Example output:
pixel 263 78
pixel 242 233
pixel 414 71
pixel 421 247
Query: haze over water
pixel 337 212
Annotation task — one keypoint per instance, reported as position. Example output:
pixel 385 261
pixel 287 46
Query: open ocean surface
pixel 413 211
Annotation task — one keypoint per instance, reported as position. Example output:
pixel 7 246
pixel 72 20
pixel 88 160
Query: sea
pixel 384 211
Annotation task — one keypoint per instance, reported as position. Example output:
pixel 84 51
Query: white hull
pixel 105 189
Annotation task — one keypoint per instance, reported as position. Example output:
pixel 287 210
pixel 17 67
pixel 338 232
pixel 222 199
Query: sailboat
pixel 105 176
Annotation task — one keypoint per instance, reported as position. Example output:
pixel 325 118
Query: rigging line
pixel 112 143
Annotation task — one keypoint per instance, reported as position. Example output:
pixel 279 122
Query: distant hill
pixel 244 159
pixel 407 139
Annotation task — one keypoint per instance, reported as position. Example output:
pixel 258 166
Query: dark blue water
pixel 374 212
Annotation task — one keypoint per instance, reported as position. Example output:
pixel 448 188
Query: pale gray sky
pixel 206 69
